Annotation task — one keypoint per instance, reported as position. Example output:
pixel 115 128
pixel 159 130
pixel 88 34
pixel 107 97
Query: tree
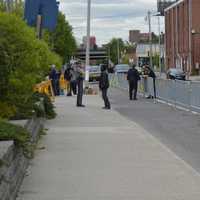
pixel 112 48
pixel 62 39
pixel 24 60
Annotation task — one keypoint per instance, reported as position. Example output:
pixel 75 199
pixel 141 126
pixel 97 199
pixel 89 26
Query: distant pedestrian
pixel 53 77
pixel 152 74
pixel 104 85
pixel 68 77
pixel 73 81
pixel 133 77
pixel 79 80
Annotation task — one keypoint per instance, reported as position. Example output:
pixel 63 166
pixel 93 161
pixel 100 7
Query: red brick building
pixel 182 24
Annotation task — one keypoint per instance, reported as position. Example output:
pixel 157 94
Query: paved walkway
pixel 92 154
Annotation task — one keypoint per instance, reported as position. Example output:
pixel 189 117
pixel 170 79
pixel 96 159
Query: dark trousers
pixel 133 86
pixel 80 92
pixel 105 98
pixel 73 87
pixel 154 87
pixel 69 92
pixel 55 86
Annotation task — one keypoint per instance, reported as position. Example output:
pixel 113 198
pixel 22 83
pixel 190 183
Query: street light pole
pixel 87 63
pixel 190 40
pixel 160 56
pixel 118 56
pixel 150 40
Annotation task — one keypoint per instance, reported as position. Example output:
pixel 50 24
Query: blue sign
pixel 48 9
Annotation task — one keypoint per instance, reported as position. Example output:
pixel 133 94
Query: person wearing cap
pixel 133 77
pixel 104 85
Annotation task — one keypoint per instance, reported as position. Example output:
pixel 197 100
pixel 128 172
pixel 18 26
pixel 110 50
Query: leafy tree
pixel 112 48
pixel 62 40
pixel 24 61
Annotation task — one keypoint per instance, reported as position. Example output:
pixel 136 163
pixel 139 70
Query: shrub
pixel 20 136
pixel 24 61
pixel 48 105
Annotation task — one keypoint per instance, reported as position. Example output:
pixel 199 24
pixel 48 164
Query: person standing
pixel 68 77
pixel 152 74
pixel 104 85
pixel 73 81
pixel 133 77
pixel 79 80
pixel 53 78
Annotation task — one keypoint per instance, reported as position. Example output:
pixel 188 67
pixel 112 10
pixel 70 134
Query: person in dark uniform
pixel 104 85
pixel 53 78
pixel 68 76
pixel 151 74
pixel 79 80
pixel 133 77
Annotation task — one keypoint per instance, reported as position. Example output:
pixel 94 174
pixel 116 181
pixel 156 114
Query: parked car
pixel 176 74
pixel 95 73
pixel 122 68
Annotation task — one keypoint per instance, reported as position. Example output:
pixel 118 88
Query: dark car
pixel 176 74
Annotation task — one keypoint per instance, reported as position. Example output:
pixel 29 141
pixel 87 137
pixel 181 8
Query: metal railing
pixel 185 94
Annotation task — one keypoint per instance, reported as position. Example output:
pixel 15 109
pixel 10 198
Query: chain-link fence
pixel 184 94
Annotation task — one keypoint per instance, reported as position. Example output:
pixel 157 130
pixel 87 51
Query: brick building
pixel 182 26
pixel 134 36
pixel 93 44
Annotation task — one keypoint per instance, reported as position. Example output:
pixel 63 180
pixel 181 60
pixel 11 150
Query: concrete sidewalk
pixel 93 154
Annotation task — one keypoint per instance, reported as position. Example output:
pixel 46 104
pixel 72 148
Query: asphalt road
pixel 176 129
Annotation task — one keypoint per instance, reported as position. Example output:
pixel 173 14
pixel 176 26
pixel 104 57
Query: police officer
pixel 79 79
pixel 104 85
pixel 133 77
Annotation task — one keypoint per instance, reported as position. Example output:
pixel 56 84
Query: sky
pixel 109 18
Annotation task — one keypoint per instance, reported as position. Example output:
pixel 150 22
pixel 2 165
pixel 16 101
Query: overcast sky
pixel 110 18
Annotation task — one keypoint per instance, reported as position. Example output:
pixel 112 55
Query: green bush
pixel 20 136
pixel 7 110
pixel 48 105
pixel 24 61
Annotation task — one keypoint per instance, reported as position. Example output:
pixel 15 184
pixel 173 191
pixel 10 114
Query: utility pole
pixel 87 63
pixel 160 51
pixel 150 40
pixel 118 56
pixel 189 68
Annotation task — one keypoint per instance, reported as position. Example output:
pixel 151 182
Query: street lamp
pixel 159 32
pixel 157 14
pixel 87 63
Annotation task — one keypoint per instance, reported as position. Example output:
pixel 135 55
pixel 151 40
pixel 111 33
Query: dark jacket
pixel 53 74
pixel 133 75
pixel 151 73
pixel 104 81
pixel 67 74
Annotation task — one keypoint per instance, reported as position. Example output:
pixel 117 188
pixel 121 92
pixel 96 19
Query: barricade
pixel 185 94
pixel 46 88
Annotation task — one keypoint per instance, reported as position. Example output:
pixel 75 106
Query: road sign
pixel 47 9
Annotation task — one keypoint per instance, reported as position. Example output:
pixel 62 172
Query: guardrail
pixel 185 94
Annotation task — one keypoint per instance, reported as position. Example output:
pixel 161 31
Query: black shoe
pixel 81 106
pixel 135 99
pixel 106 108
